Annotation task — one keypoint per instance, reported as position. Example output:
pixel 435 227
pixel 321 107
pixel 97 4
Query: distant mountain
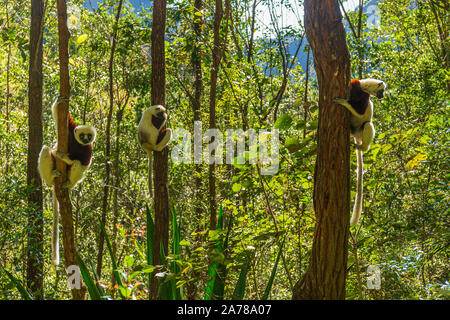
pixel 137 4
pixel 369 9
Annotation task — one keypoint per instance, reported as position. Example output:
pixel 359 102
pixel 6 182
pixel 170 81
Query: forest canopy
pixel 238 225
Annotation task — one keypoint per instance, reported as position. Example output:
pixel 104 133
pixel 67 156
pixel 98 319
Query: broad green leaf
pixel 128 261
pixel 292 144
pixel 283 122
pixel 414 162
pixel 236 187
pixel 185 243
pixel 81 38
pixel 239 290
pixel 90 283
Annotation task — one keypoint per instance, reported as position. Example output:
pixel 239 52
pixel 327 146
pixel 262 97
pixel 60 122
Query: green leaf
pixel 25 294
pixel 185 243
pixel 174 268
pixel 124 291
pixel 82 38
pixel 165 287
pixel 101 291
pixel 128 261
pixel 284 122
pixel 414 162
pixel 239 290
pixel 90 283
pixel 236 187
pixel 292 144
pixel 217 272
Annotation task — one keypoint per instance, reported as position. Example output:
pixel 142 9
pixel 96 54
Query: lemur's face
pixel 85 135
pixel 373 87
pixel 159 115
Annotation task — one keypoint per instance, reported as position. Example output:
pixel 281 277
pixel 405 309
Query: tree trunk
pixel 35 246
pixel 101 240
pixel 117 180
pixel 62 194
pixel 8 94
pixel 325 277
pixel 196 104
pixel 216 56
pixel 160 163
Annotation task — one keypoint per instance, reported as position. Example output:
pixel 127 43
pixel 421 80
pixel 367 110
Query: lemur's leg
pixel 367 136
pixel 148 147
pixel 75 174
pixel 164 140
pixel 348 106
pixel 46 166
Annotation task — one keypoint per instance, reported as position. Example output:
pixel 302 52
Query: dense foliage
pixel 405 225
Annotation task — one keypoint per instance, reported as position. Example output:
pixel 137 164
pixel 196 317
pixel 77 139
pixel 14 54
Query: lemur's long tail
pixel 55 233
pixel 357 207
pixel 150 167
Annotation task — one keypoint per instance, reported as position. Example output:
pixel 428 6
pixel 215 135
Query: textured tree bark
pixel 160 163
pixel 326 274
pixel 35 245
pixel 62 194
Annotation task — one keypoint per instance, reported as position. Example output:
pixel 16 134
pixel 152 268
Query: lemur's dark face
pixel 380 92
pixel 85 135
pixel 159 116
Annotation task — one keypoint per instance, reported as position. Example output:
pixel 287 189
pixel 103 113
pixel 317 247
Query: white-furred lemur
pixel 361 128
pixel 153 135
pixel 78 160
pixel 152 132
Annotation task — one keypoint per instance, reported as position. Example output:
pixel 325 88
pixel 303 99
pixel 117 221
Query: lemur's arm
pixel 348 106
pixel 64 157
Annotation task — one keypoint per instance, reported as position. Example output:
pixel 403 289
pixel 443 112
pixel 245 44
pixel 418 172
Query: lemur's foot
pixel 56 173
pixel 66 185
pixel 61 155
pixel 339 101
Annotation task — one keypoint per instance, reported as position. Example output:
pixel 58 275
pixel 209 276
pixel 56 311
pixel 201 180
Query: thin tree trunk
pixel 196 100
pixel 8 93
pixel 117 179
pixel 62 194
pixel 252 32
pixel 216 56
pixel 196 103
pixel 361 53
pixel 160 163
pixel 35 245
pixel 305 97
pixel 101 240
pixel 325 276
